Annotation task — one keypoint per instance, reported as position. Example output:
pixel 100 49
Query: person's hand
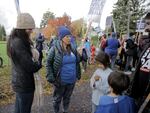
pixel 35 54
pixel 97 78
pixel 52 81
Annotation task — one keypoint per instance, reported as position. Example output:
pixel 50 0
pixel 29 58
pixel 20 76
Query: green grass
pixel 7 95
pixel 3 52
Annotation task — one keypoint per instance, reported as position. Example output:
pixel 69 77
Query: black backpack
pixel 130 44
pixel 131 47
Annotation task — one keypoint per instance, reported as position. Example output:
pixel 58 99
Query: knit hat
pixel 63 31
pixel 25 21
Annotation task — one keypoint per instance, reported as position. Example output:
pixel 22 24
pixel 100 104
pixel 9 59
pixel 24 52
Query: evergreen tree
pixel 122 10
pixel 2 32
pixel 46 16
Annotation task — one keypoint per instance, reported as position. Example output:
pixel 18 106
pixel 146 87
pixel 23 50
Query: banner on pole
pixel 140 25
pixel 96 9
pixel 17 6
pixel 109 21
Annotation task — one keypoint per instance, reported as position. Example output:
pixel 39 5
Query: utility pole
pixel 114 26
pixel 128 24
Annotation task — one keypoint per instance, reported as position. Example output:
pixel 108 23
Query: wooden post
pixel 144 104
pixel 89 26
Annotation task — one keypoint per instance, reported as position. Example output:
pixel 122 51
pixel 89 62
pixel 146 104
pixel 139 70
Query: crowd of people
pixel 112 91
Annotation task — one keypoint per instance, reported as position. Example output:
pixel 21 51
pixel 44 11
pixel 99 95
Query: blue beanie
pixel 63 31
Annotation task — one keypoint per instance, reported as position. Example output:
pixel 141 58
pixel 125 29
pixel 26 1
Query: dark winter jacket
pixel 133 89
pixel 131 47
pixel 140 85
pixel 54 62
pixel 23 67
pixel 39 42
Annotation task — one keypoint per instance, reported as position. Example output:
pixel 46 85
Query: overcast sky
pixel 75 8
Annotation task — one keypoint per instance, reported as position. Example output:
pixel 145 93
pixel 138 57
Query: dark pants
pixel 62 92
pixel 23 102
pixel 135 59
pixel 40 57
pixel 84 64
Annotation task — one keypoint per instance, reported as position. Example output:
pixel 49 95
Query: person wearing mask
pixel 19 49
pixel 63 69
pixel 140 85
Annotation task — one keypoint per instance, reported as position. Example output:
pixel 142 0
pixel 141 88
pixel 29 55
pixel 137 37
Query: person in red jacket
pixel 93 53
pixel 103 42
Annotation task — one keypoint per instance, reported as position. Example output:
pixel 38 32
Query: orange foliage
pixel 76 27
pixel 48 31
pixel 51 28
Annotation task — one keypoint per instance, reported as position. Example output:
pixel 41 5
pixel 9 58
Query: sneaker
pixel 133 69
pixel 128 72
pixel 83 70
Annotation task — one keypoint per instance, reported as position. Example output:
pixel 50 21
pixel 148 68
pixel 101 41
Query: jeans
pixel 23 102
pixel 113 59
pixel 62 92
pixel 84 64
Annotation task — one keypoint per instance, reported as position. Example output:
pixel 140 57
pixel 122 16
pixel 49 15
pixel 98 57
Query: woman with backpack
pixel 63 69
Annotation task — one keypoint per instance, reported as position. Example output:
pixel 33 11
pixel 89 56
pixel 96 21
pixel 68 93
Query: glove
pixel 51 79
pixel 57 84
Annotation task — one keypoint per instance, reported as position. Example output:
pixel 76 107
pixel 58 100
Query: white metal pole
pixel 17 6
pixel 128 24
pixel 114 25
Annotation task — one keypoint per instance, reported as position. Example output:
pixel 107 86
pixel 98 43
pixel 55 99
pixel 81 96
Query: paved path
pixel 80 102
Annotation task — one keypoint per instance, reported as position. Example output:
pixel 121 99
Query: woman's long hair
pixel 21 34
pixel 67 50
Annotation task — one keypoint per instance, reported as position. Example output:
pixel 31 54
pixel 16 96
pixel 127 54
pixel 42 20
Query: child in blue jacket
pixel 115 102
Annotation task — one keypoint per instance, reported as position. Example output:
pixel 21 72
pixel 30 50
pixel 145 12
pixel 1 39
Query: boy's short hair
pixel 118 81
pixel 102 58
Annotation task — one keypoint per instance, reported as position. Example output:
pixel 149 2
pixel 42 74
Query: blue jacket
pixel 120 104
pixel 112 45
pixel 54 62
pixel 68 69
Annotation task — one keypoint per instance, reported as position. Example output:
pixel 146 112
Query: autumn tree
pixel 52 24
pixel 78 27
